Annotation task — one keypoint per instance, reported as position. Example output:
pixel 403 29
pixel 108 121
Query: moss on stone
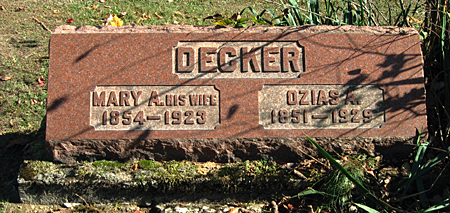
pixel 148 164
pixel 30 169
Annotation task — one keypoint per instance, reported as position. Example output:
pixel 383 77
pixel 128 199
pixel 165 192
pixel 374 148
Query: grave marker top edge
pixel 69 29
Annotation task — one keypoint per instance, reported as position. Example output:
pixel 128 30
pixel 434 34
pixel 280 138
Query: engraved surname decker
pixel 238 59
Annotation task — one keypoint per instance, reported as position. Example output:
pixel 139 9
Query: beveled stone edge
pixel 70 29
pixel 221 150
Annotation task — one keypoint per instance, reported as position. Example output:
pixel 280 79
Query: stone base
pixel 221 150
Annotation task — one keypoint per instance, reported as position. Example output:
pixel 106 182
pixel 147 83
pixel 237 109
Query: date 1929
pixel 175 117
pixel 337 116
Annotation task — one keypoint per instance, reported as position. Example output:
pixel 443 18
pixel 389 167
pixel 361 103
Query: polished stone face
pixel 169 82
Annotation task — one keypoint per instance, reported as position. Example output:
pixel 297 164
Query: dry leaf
pixel 19 9
pixel 1 7
pixel 135 167
pixel 299 174
pixel 93 7
pixel 235 17
pixel 41 81
pixel 33 101
pixel 113 20
pixel 11 123
pixel 234 210
pixel 159 17
pixel 5 77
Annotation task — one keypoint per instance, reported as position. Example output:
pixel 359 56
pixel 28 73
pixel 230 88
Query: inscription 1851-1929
pixel 320 106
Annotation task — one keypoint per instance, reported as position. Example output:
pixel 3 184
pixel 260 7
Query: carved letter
pixel 271 63
pixel 194 100
pixel 334 97
pixel 185 59
pixel 303 100
pixel 207 57
pixel 213 100
pixel 290 57
pixel 224 65
pixel 292 97
pixel 98 101
pixel 350 98
pixel 123 98
pixel 321 98
pixel 249 58
pixel 112 99
pixel 154 98
pixel 136 96
pixel 169 100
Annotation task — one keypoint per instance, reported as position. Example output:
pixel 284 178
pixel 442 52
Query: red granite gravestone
pixel 201 93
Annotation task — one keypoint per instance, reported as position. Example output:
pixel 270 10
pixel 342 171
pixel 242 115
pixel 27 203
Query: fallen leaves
pixel 41 81
pixel 33 101
pixel 5 77
pixel 234 210
pixel 1 7
pixel 158 16
pixel 144 17
pixel 113 20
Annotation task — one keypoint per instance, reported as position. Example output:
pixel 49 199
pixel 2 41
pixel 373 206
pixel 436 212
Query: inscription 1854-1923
pixel 154 107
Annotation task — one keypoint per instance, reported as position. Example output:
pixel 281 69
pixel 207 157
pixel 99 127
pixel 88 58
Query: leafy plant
pixel 357 183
